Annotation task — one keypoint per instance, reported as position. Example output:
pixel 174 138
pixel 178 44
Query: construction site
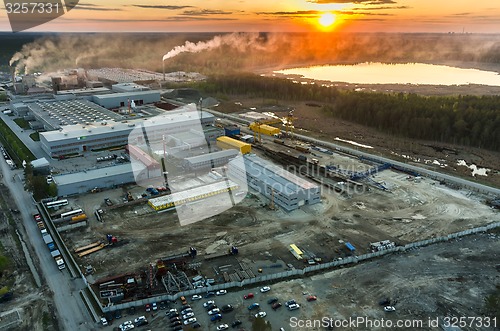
pixel 135 242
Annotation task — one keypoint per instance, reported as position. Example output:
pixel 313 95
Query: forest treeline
pixel 465 120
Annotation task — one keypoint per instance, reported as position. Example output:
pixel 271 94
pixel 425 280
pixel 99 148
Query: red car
pixel 248 296
pixel 37 217
pixel 311 298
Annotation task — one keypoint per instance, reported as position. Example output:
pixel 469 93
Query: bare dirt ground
pixel 31 307
pixel 448 279
pixel 409 211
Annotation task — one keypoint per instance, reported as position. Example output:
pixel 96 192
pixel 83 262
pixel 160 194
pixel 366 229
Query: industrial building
pixel 282 187
pixel 83 182
pixel 76 139
pixel 209 160
pixel 193 194
pixel 117 100
pixel 128 87
pixel 52 115
pixel 230 143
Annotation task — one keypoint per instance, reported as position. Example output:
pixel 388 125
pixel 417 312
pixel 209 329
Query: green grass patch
pixel 22 123
pixel 35 136
pixel 17 150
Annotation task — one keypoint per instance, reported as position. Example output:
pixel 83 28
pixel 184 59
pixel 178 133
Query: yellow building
pixel 230 143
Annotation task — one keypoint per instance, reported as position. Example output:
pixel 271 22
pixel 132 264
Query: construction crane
pixel 262 126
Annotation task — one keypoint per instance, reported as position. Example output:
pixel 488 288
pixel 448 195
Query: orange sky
pixel 481 16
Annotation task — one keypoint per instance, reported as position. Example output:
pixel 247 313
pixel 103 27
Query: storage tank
pixel 78 218
pixel 230 143
pixel 264 129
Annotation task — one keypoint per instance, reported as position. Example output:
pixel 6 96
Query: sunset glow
pixel 281 16
pixel 327 19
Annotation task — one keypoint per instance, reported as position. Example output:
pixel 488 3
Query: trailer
pixel 47 239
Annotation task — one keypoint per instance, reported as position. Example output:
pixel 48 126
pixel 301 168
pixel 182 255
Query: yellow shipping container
pixel 264 129
pixel 230 143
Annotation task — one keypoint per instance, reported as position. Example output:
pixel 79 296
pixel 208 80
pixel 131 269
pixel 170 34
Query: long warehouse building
pixel 286 189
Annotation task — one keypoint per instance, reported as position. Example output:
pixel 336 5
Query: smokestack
pixel 13 74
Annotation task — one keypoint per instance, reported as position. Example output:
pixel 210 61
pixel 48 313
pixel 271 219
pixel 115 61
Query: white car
pixel 104 321
pixel 293 306
pixel 265 289
pixel 190 321
pixel 214 311
pixel 389 308
pixel 222 327
pixel 188 315
pixel 196 297
pixel 124 324
pixel 127 327
pixel 260 314
pixel 221 292
pixel 208 303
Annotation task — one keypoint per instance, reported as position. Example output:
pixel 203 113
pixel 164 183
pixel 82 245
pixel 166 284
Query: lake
pixel 401 73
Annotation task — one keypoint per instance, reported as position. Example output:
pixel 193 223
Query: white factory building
pixel 287 190
pixel 80 138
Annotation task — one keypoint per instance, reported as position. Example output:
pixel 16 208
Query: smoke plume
pixel 238 41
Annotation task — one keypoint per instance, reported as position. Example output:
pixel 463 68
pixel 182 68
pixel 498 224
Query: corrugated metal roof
pixel 212 156
pixel 78 177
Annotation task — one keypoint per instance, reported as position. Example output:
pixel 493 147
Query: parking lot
pixel 158 319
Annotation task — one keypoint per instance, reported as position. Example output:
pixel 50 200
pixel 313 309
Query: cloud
pixel 91 6
pixel 381 8
pixel 205 12
pixel 162 7
pixel 364 2
pixel 315 13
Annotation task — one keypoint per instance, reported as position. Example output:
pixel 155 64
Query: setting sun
pixel 326 19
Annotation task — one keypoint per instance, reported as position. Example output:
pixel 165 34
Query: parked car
pixel 178 328
pixel 253 306
pixel 141 320
pixel 154 306
pixel 196 297
pixel 311 298
pixel 214 311
pixel 190 321
pixel 209 294
pixel 227 308
pixel 222 327
pixel 175 318
pixel 208 303
pixel 248 296
pixel 272 300
pixel 261 314
pixel 183 300
pixel 176 323
pixel 216 317
pixel 163 305
pixel 187 310
pixel 104 321
pixel 265 289
pixel 221 292
pixel 293 306
pixel 188 316
pixel 148 307
pixel 212 306
pixel 196 325
pixel 108 202
pixel 184 307
pixel 290 302
pixel 118 314
pixel 389 308
pixel 236 323
pixel 276 305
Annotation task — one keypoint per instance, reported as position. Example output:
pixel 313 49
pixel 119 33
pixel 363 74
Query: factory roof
pixel 192 193
pixel 125 94
pixel 272 174
pixel 80 131
pixel 68 112
pixel 212 156
pixel 94 174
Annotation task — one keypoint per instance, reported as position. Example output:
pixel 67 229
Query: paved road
pixel 72 313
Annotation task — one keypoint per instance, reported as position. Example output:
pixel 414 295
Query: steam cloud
pixel 254 52
pixel 239 41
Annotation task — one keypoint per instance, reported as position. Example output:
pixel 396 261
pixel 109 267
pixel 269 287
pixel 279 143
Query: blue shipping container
pixel 231 131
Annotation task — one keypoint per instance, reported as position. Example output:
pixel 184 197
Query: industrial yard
pixel 159 196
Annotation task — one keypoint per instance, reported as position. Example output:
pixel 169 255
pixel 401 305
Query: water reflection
pixel 409 73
